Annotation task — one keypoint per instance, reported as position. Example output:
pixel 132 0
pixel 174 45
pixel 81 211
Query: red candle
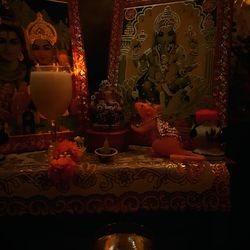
pixel 206 115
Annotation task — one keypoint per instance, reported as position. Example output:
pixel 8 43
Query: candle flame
pixel 105 149
pixel 247 2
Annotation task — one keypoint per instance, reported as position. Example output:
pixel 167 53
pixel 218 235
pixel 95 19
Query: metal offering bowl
pixel 105 154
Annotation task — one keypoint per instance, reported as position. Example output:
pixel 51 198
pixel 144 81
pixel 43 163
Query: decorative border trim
pixel 216 198
pixel 127 203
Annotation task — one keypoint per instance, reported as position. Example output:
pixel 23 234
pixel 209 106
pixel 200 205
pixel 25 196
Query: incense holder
pixel 106 154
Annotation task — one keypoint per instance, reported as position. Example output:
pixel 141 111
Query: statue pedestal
pixel 116 139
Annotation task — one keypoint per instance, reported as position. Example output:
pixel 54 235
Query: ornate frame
pixel 31 142
pixel 221 13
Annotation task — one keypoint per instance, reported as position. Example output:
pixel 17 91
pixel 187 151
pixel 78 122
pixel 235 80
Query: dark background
pixel 96 19
pixel 50 7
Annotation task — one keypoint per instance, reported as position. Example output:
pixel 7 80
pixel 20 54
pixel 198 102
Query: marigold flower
pixel 67 148
pixel 61 170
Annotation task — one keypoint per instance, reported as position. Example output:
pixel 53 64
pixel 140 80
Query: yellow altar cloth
pixel 133 181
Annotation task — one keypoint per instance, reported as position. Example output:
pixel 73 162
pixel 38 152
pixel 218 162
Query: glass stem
pixel 53 139
pixel 53 132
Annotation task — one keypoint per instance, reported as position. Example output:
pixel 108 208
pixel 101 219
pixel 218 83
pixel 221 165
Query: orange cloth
pixel 163 144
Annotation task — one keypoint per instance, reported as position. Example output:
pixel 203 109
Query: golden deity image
pixel 162 57
pixel 40 29
pixel 42 38
pixel 106 110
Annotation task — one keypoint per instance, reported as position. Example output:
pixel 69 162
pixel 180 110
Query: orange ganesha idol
pixel 165 139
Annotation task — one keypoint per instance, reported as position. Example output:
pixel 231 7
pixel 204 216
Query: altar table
pixel 134 181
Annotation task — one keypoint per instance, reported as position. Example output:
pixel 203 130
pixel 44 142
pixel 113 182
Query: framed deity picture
pixel 47 37
pixel 172 52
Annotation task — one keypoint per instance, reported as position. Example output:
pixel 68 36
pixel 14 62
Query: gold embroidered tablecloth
pixel 133 181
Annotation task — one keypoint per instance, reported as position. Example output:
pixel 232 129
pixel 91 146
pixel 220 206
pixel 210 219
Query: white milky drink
pixel 51 92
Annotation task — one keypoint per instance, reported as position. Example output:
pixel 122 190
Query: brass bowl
pixel 123 241
pixel 124 236
pixel 104 155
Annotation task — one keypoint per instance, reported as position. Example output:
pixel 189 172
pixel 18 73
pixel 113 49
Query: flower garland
pixel 63 160
pixel 67 149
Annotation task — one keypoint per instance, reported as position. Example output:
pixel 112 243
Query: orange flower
pixel 61 170
pixel 67 149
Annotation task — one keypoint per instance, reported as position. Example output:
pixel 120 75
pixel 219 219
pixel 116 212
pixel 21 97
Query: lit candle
pixel 105 148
